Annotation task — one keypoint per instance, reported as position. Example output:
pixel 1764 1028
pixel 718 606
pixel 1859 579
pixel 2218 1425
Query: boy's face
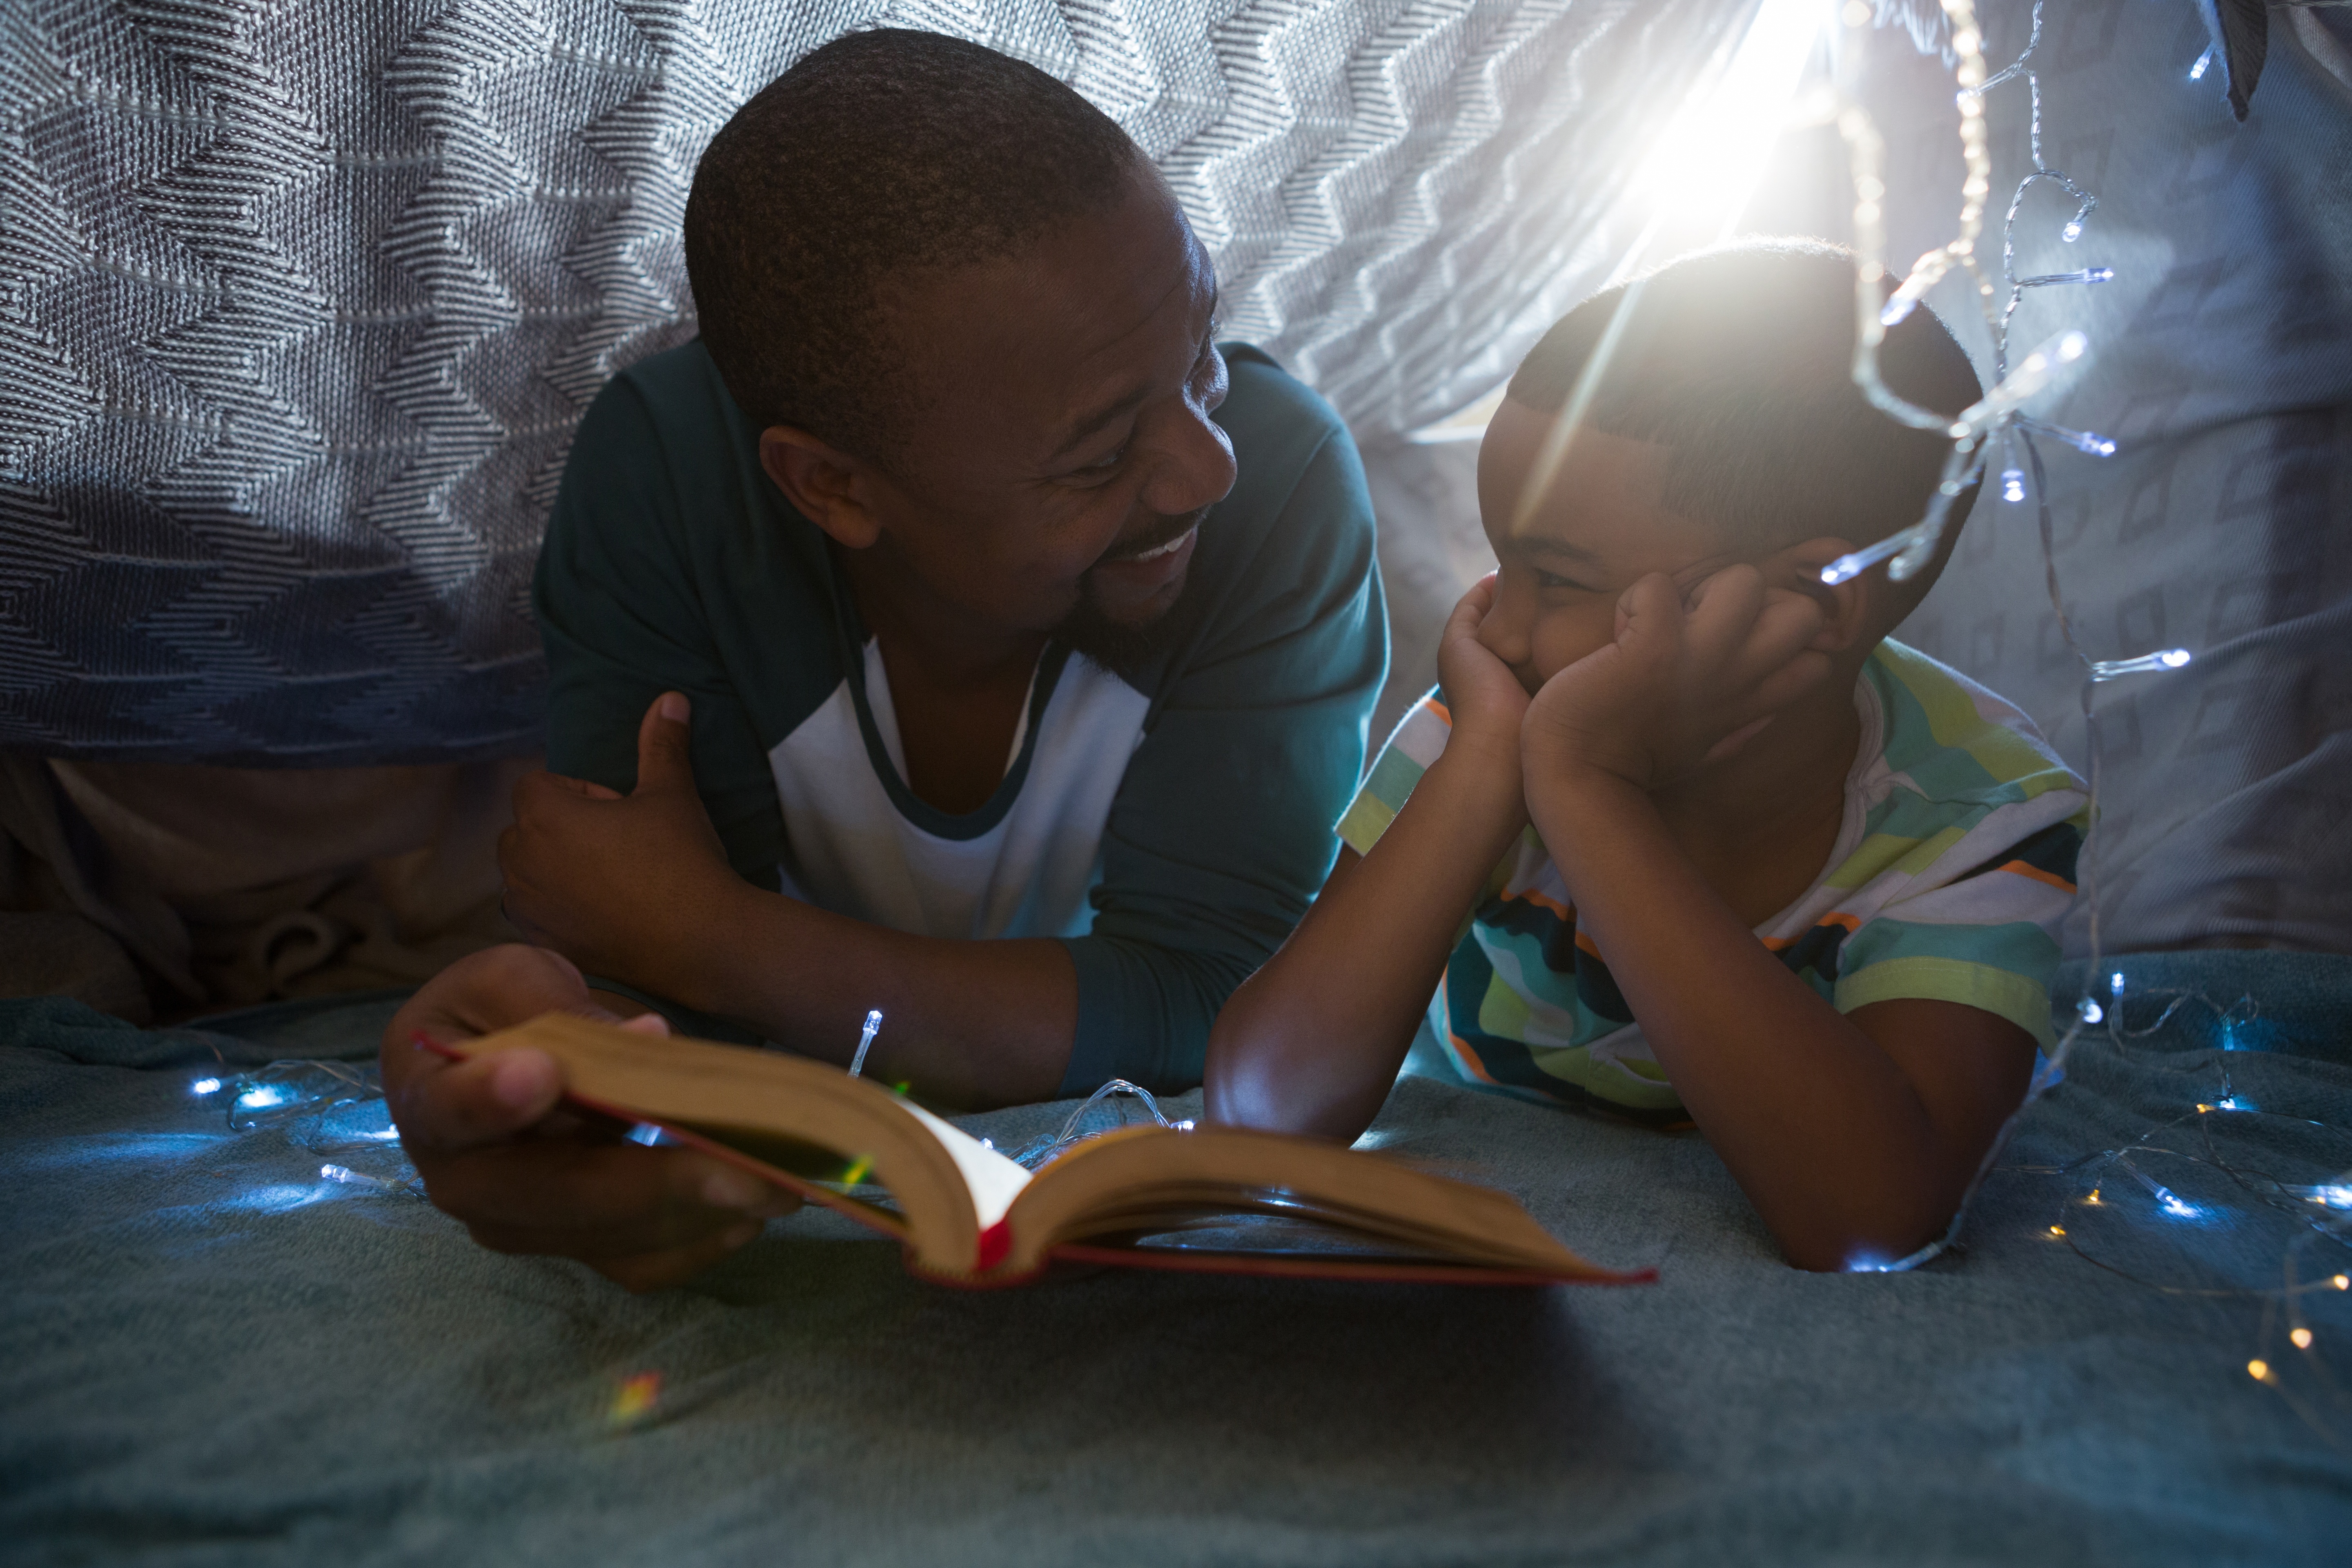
pixel 1572 527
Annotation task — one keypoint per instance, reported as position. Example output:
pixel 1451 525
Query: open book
pixel 1144 1196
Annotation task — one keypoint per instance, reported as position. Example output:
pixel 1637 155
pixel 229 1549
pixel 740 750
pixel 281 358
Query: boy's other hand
pixel 623 885
pixel 1685 683
pixel 496 1152
pixel 1485 700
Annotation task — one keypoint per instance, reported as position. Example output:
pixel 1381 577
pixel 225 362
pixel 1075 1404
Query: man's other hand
pixel 526 1176
pixel 626 886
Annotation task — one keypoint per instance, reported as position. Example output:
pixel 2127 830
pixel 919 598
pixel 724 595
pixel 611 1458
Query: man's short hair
pixel 881 152
pixel 1738 361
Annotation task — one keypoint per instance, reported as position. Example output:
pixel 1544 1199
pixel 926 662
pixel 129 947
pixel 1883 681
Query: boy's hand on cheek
pixel 1485 700
pixel 1682 685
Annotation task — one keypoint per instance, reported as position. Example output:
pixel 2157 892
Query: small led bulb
pixel 2013 485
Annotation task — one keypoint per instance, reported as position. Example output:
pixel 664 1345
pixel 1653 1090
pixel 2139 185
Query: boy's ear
pixel 825 485
pixel 1850 610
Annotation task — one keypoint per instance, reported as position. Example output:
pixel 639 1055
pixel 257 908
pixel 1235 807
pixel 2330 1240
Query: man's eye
pixel 1206 365
pixel 1094 471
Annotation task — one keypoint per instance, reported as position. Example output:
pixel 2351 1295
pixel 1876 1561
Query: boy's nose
pixel 1505 631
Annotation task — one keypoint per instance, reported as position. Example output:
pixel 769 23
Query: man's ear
pixel 1850 610
pixel 828 485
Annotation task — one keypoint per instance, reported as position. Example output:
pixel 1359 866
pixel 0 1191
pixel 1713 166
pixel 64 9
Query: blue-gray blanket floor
pixel 208 1354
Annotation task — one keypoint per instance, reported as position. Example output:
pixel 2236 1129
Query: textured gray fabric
pixel 299 304
pixel 207 1355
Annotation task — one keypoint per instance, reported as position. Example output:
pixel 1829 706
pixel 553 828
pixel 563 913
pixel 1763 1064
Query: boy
pixel 1675 740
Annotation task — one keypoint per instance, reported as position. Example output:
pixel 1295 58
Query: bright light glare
pixel 203 1086
pixel 1707 163
pixel 261 1096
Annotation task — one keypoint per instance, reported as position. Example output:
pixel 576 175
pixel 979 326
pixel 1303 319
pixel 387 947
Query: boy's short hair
pixel 1738 361
pixel 882 152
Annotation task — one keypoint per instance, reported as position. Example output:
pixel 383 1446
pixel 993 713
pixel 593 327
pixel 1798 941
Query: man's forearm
pixel 1820 1127
pixel 969 1023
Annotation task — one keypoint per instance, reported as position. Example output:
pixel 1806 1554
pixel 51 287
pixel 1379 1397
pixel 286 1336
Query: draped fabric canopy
pixel 299 303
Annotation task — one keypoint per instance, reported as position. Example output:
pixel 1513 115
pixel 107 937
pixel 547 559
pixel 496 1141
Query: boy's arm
pixel 1313 1040
pixel 1855 1136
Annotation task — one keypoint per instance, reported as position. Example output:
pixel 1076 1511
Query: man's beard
pixel 1126 648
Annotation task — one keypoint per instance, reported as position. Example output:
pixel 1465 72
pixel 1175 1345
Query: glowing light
pixel 2233 1104
pixel 866 1041
pixel 2088 442
pixel 1707 163
pixel 204 1086
pixel 2072 232
pixel 858 1169
pixel 2013 485
pixel 350 1178
pixel 2094 1199
pixel 2196 73
pixel 2333 1197
pixel 2090 1011
pixel 645 1132
pixel 2302 1338
pixel 635 1397
pixel 260 1096
pixel 2057 1230
pixel 2259 1370
pixel 2146 664
pixel 2173 1205
pixel 2086 275
pixel 2342 1281
pixel 2115 983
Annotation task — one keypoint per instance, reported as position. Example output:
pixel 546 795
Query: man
pixel 953 631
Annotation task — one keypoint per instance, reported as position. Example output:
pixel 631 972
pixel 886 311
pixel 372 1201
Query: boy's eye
pixel 1554 580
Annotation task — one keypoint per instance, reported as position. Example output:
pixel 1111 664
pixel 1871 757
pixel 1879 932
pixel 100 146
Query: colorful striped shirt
pixel 1953 870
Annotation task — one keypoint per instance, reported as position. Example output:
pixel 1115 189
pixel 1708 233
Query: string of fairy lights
pixel 2319 1215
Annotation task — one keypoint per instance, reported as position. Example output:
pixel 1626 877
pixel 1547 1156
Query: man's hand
pixel 621 884
pixel 1683 684
pixel 1485 700
pixel 524 1177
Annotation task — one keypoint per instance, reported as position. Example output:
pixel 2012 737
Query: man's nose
pixel 1195 466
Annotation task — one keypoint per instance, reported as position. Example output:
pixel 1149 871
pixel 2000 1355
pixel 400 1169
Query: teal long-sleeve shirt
pixel 1169 825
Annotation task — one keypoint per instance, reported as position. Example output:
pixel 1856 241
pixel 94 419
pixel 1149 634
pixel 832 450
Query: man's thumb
pixel 664 758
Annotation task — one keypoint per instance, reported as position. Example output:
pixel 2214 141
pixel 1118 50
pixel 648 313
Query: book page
pixel 994 1180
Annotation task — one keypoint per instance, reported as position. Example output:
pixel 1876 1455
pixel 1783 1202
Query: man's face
pixel 1062 456
pixel 1573 526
